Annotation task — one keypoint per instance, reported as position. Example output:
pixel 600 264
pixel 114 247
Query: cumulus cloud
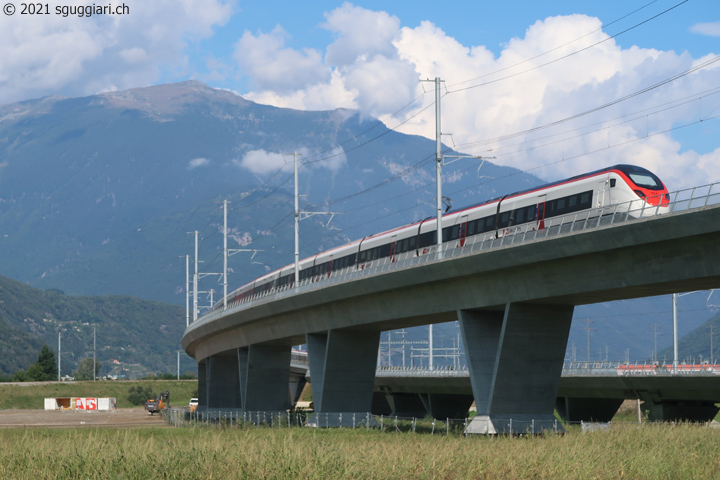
pixel 499 105
pixel 711 29
pixel 261 162
pixel 72 56
pixel 198 162
pixel 272 66
pixel 361 68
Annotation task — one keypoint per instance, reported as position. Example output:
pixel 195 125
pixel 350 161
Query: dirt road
pixel 122 417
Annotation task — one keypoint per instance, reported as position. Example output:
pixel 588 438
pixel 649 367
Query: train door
pixel 540 213
pixel 603 194
pixel 463 231
pixel 393 248
pixel 329 266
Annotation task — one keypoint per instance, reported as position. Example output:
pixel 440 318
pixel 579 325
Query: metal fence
pixel 238 419
pixel 634 369
pixel 679 201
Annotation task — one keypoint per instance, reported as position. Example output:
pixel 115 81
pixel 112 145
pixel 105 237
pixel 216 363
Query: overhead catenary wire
pixel 568 55
pixel 390 129
pixel 638 114
pixel 395 177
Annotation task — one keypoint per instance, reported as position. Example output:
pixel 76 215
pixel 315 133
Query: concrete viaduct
pixel 584 396
pixel 514 297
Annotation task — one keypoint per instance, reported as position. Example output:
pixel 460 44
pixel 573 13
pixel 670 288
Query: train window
pixel 471 228
pixel 427 239
pixel 612 182
pixel 586 198
pixel 644 180
pixel 520 215
pixel 504 219
pixel 412 243
pixel 362 256
pixel 450 233
pixel 384 250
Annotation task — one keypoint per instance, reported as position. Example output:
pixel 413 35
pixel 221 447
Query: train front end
pixel 642 193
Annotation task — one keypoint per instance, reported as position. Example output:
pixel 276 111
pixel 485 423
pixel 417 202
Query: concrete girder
pixel 647 257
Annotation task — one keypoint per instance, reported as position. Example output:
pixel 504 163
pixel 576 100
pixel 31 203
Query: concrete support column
pixel 447 405
pixel 202 384
pixel 342 373
pixel 264 374
pixel 661 410
pixel 576 409
pixel 222 381
pixel 516 391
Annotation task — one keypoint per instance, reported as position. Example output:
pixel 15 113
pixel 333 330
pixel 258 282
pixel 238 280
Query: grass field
pixel 648 452
pixel 31 395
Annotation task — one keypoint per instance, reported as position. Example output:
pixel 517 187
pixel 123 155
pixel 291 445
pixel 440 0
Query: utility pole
pixel 195 280
pixel 675 334
pixel 299 216
pixel 712 357
pixel 438 179
pixel 297 223
pixel 59 354
pixel 178 364
pixel 588 329
pixel 94 353
pixel 655 333
pixel 225 256
pixel 187 290
pixel 430 347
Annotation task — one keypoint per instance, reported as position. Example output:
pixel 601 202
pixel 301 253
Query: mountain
pixel 98 196
pixel 695 346
pixel 133 336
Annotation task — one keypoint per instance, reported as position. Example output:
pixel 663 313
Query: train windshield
pixel 645 180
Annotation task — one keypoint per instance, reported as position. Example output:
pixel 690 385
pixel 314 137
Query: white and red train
pixel 597 193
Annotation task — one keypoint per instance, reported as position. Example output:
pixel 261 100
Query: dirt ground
pixel 122 417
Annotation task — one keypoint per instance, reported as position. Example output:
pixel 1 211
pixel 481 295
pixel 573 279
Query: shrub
pixel 140 394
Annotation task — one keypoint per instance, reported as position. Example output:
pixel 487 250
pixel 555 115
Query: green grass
pixel 649 452
pixel 32 396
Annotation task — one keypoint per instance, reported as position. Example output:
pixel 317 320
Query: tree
pixel 85 369
pixel 47 363
pixel 139 395
pixel 43 370
pixel 35 373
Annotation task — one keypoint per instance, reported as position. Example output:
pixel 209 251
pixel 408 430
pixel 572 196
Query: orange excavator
pixel 155 405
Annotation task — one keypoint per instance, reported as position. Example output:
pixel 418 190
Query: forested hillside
pixel 134 336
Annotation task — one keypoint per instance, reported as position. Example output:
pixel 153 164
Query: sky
pixel 555 88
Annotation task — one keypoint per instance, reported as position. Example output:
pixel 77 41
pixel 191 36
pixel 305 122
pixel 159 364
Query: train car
pixel 620 189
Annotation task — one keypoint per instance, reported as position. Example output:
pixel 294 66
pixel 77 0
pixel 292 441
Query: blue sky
pixel 547 61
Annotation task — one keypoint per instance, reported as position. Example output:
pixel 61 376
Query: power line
pixel 595 109
pixel 568 55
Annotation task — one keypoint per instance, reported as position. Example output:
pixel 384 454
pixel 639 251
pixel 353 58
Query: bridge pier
pixel 222 381
pixel 515 360
pixel 446 405
pixel 342 372
pixel 659 410
pixel 264 375
pixel 574 409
